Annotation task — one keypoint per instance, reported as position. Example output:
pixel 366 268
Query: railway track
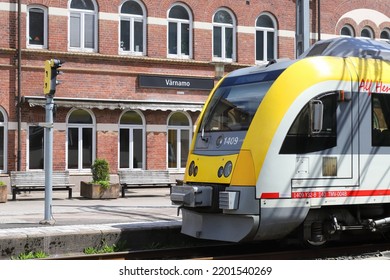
pixel 172 253
pixel 246 252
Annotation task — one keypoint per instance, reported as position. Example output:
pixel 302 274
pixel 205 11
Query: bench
pixel 35 181
pixel 144 178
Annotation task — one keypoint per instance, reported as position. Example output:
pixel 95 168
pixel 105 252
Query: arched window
pixel 131 141
pixel 132 28
pixel 3 140
pixel 266 38
pixel 83 25
pixel 385 34
pixel 347 31
pixel 80 140
pixel 224 36
pixel 36 26
pixel 367 32
pixel 179 32
pixel 179 133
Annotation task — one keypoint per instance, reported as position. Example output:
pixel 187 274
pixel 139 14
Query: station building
pixel 137 72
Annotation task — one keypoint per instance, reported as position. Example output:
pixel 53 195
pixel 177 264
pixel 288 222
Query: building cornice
pixel 118 58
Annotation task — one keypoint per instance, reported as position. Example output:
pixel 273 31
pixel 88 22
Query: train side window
pixel 300 139
pixel 380 105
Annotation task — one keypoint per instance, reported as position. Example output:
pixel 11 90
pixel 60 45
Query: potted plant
pixel 100 187
pixel 3 192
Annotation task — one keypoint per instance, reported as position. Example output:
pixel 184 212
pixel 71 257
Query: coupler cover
pixel 192 196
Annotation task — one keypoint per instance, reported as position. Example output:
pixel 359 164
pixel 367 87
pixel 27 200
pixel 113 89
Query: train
pixel 294 147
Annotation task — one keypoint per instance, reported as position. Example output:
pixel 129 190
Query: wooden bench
pixel 144 178
pixel 35 181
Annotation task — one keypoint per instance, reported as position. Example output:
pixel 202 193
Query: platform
pixel 78 223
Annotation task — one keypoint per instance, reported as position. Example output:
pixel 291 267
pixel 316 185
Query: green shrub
pixel 101 173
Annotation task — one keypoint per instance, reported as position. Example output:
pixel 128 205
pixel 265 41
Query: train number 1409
pixel 230 141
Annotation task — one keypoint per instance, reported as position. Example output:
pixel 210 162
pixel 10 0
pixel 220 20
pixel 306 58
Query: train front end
pixel 218 197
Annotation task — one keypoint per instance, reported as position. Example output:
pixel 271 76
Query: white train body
pixel 306 147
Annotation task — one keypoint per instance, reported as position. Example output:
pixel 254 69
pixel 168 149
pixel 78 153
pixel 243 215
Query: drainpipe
pixel 302 28
pixel 319 19
pixel 18 107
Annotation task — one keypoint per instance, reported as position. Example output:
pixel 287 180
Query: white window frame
pixel 81 14
pixel 386 30
pixel 131 128
pixel 266 30
pixel 350 28
pixel 224 26
pixel 179 129
pixel 80 150
pixel 5 144
pixel 45 27
pixel 179 23
pixel 132 18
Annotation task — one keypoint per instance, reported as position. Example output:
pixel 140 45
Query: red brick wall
pixel 202 11
pixel 156 150
pixel 59 160
pixel 331 11
pixel 107 148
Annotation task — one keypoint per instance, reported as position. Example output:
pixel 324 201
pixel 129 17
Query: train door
pixel 375 135
pixel 325 148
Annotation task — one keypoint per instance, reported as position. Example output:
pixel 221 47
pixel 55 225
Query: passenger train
pixel 295 146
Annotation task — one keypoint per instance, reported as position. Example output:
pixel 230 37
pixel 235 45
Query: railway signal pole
pixel 49 88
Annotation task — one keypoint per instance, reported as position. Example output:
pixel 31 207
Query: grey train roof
pixel 340 47
pixel 350 47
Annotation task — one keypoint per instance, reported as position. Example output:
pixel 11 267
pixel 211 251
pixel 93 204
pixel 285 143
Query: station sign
pixel 173 82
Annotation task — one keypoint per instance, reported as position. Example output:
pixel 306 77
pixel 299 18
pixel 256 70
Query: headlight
pixel 195 171
pixel 220 172
pixel 191 168
pixel 227 170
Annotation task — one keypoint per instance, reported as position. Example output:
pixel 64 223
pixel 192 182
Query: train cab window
pixel 301 139
pixel 380 119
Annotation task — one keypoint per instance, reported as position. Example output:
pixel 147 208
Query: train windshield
pixel 235 102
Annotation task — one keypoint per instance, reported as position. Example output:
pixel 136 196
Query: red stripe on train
pixel 335 193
